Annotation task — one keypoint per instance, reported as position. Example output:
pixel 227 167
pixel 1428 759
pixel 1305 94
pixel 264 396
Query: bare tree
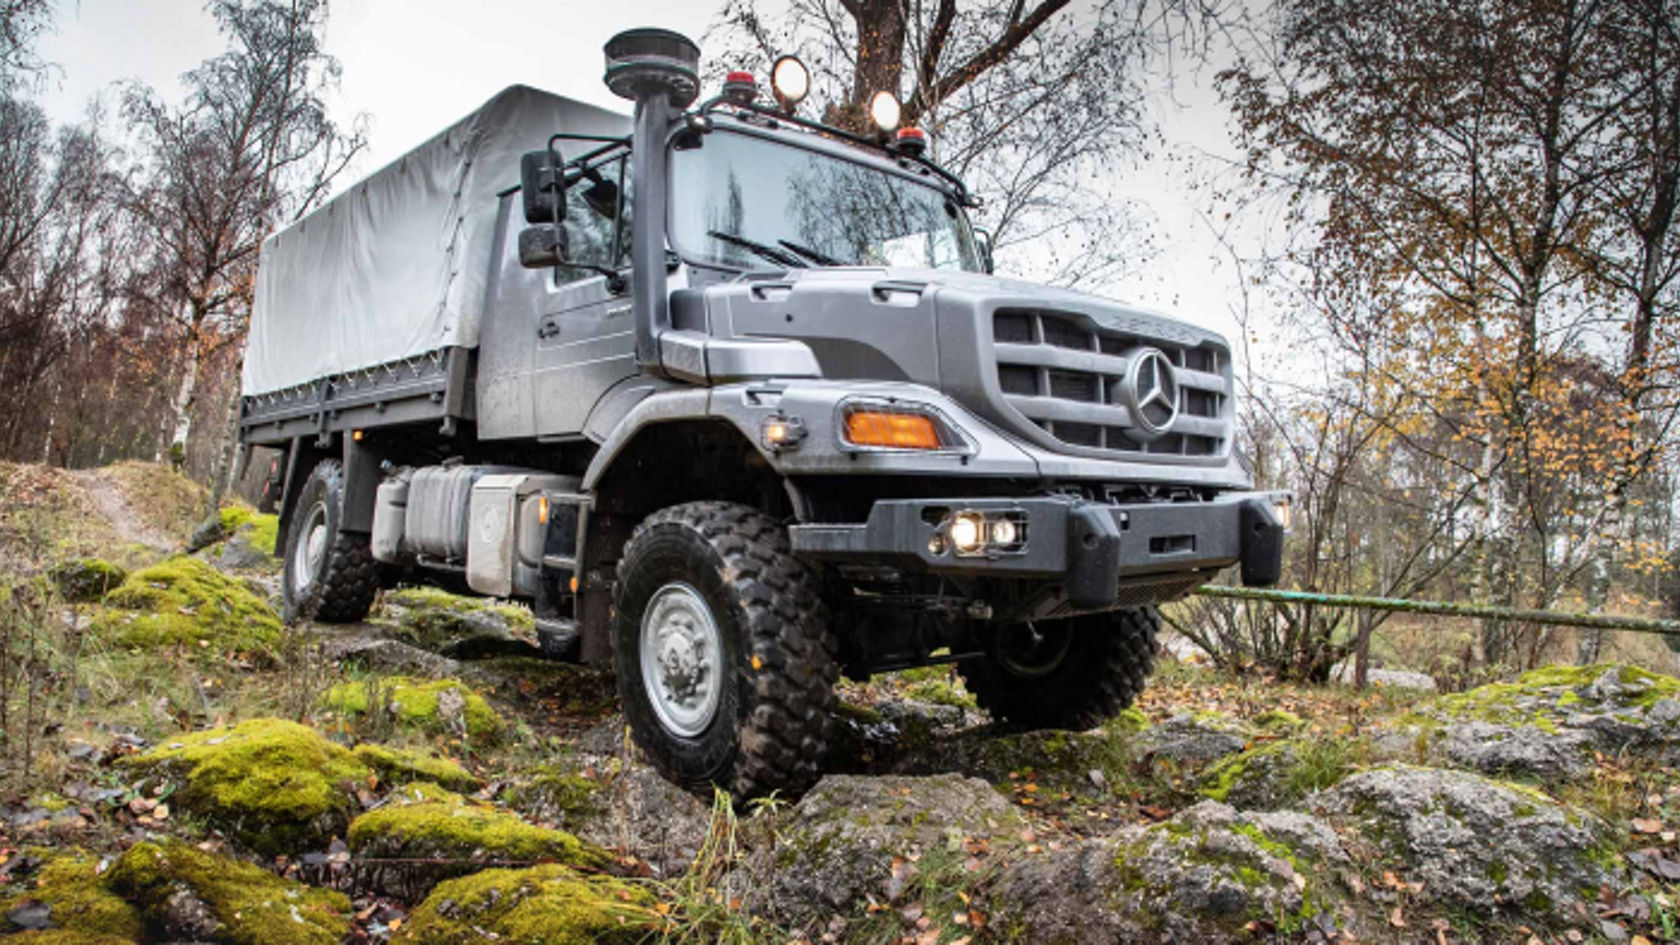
pixel 1031 102
pixel 252 148
pixel 21 23
pixel 1462 153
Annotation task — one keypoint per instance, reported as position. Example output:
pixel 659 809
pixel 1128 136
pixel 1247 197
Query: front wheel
pixel 721 649
pixel 330 574
pixel 1072 673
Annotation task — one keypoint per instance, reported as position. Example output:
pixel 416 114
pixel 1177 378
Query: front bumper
pixel 1090 548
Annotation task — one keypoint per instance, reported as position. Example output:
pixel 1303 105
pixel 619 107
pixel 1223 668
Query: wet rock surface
pixel 1194 740
pixel 852 839
pixel 1210 873
pixel 1474 842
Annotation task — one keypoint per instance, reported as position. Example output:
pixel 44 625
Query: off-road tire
pixel 1104 669
pixel 347 579
pixel 768 731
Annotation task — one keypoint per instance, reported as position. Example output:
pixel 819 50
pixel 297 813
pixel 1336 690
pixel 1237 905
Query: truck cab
pixel 733 400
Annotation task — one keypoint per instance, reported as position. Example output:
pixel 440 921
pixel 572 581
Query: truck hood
pixel 1051 365
pixel 874 323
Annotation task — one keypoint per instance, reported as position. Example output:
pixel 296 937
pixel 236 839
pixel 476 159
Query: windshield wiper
pixel 820 259
pixel 779 257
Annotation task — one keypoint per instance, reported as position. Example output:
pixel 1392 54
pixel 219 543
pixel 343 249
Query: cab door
pixel 585 337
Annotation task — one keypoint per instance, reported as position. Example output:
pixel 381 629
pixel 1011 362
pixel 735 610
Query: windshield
pixel 745 202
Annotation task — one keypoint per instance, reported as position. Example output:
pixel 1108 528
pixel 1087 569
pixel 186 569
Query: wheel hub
pixel 682 659
pixel 1030 650
pixel 311 549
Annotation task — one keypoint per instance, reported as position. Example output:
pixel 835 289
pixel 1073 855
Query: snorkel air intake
pixel 659 71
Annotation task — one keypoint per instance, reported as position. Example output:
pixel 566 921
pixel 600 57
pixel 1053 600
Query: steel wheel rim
pixel 1027 651
pixel 311 549
pixel 682 659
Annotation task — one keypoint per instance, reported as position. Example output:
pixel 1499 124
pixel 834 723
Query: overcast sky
pixel 414 66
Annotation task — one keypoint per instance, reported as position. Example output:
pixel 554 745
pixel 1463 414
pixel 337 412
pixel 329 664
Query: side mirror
pixel 541 188
pixel 542 246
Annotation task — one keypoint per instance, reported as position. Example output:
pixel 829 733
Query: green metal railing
pixel 1670 628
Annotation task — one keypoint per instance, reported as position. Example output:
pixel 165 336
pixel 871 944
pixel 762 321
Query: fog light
pixel 968 532
pixel 781 433
pixel 1005 532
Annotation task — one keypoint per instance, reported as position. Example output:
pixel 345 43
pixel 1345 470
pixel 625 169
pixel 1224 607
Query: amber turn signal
pixel 892 430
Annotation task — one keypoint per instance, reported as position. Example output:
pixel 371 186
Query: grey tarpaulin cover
pixel 395 266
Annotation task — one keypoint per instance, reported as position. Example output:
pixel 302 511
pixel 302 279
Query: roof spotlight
pixel 790 80
pixel 885 110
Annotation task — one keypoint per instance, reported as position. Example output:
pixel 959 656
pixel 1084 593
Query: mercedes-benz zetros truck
pixel 732 399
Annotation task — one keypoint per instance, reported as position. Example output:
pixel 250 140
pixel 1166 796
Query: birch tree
pixel 250 149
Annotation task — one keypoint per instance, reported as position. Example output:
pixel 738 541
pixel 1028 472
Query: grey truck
pixel 733 400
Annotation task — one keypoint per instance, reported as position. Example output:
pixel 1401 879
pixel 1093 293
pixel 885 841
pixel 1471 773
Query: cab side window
pixel 598 221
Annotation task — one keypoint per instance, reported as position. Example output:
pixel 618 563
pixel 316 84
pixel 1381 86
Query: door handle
pixel 549 328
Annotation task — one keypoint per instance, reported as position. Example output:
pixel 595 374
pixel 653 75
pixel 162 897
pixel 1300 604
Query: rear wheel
pixel 721 649
pixel 1070 674
pixel 330 574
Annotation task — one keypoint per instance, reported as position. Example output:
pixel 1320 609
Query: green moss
pixel 403 766
pixel 431 609
pixel 263 529
pixel 1130 721
pixel 1294 768
pixel 254 906
pixel 86 580
pixel 544 905
pixel 71 885
pixel 274 786
pixel 1538 696
pixel 414 703
pixel 185 601
pixel 944 688
pixel 555 793
pixel 863 715
pixel 1281 720
pixel 66 937
pixel 427 824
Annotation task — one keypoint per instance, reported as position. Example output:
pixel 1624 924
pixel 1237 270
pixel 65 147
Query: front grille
pixel 1064 377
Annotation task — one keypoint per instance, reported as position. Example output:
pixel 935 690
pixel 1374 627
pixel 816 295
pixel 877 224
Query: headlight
pixel 893 427
pixel 968 532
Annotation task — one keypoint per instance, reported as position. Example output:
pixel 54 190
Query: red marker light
pixel 911 140
pixel 740 88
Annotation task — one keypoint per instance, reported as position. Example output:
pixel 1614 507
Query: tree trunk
pixel 222 471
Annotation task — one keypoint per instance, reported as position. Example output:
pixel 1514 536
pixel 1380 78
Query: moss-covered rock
pixel 273 786
pixel 1477 843
pixel 1549 724
pixel 406 766
pixel 460 627
pixel 424 822
pixel 261 529
pixel 554 792
pixel 249 538
pixel 835 850
pixel 66 937
pixel 87 580
pixel 191 895
pixel 1195 740
pixel 543 905
pixel 1210 874
pixel 185 601
pixel 1278 774
pixel 71 887
pixel 438 706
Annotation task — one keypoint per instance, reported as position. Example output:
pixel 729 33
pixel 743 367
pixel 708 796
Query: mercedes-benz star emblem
pixel 1151 391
